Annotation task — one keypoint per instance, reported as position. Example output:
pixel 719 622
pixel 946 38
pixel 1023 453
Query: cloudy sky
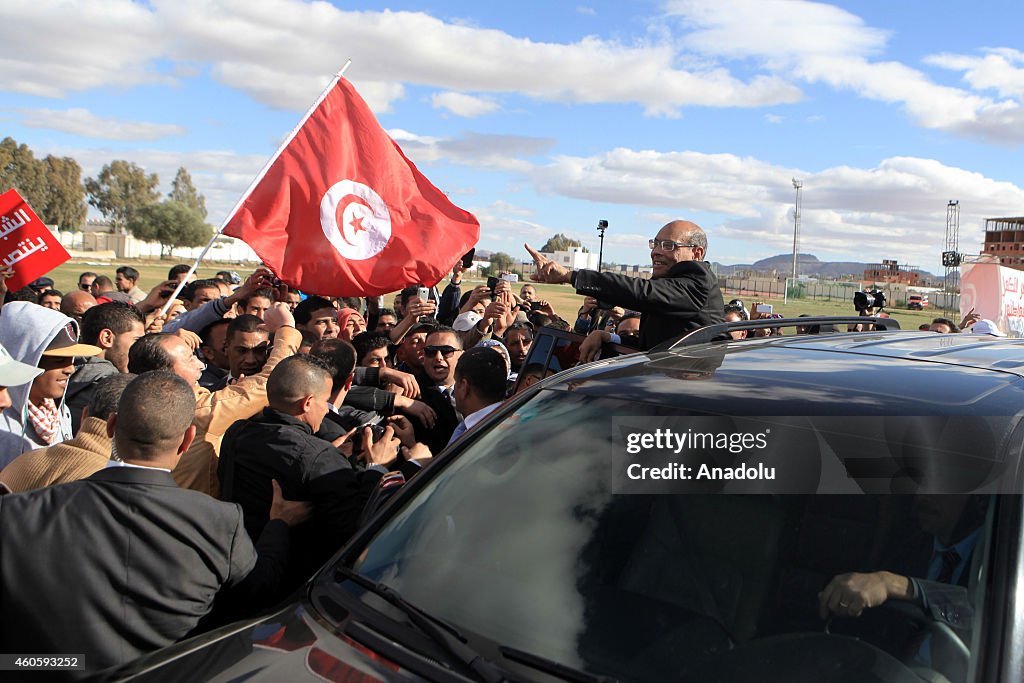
pixel 544 117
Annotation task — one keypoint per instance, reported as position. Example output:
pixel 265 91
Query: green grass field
pixel 562 297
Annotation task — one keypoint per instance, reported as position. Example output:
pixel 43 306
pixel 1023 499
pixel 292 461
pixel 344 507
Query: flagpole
pixel 254 183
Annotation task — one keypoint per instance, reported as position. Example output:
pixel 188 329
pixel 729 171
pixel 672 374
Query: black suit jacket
pixel 436 437
pixel 274 445
pixel 687 298
pixel 121 563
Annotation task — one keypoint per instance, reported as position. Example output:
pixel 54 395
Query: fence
pixel 895 294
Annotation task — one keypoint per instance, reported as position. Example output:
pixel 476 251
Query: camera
pixel 376 430
pixel 602 224
pixel 864 300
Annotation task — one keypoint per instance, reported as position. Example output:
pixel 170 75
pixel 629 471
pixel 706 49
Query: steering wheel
pixel 954 655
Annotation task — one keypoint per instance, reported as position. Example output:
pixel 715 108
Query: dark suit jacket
pixel 121 563
pixel 438 436
pixel 687 298
pixel 274 445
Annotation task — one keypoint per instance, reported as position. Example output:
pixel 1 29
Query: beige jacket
pixel 217 411
pixel 60 463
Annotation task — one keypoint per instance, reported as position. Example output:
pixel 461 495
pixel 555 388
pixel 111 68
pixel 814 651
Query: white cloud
pixel 773 118
pixel 588 11
pixel 281 52
pixel 1001 70
pixel 897 205
pixel 83 122
pixel 820 43
pixel 775 29
pixel 464 105
pixel 478 150
pixel 51 47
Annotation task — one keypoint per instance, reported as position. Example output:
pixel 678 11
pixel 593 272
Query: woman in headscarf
pixel 350 323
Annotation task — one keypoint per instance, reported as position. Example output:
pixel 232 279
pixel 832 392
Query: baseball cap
pixel 466 321
pixel 41 283
pixel 987 327
pixel 65 344
pixel 15 373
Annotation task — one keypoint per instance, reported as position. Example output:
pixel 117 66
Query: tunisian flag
pixel 342 212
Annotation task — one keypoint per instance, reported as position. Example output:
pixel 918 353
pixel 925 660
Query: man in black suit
pixel 441 354
pixel 125 561
pixel 937 584
pixel 281 443
pixel 682 294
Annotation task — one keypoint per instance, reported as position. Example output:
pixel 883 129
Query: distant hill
pixel 809 265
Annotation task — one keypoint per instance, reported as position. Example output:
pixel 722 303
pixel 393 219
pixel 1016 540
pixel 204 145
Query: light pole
pixel 797 185
pixel 602 225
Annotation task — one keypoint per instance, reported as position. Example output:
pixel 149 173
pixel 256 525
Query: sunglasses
pixel 445 351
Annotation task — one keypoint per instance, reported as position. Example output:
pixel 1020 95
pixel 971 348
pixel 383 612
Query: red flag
pixel 25 242
pixel 342 212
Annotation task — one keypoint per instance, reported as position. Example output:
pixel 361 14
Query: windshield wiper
pixel 437 630
pixel 552 667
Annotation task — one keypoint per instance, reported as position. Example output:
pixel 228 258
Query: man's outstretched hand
pixel 547 270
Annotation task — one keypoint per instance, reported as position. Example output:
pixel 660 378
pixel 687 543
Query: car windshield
pixel 520 542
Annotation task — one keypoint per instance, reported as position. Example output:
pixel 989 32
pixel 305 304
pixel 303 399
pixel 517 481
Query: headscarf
pixel 343 317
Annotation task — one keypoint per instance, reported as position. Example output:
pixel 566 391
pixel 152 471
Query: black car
pixel 543 546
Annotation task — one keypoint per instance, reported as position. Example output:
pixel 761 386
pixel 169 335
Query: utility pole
pixel 798 186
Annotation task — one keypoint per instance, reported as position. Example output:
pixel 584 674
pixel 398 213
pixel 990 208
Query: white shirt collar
pixel 473 418
pixel 121 463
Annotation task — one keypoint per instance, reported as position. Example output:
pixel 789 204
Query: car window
pixel 520 542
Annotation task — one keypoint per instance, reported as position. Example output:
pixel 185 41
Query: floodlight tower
pixel 951 257
pixel 798 186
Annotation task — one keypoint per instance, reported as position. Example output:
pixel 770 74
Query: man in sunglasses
pixel 441 354
pixel 682 294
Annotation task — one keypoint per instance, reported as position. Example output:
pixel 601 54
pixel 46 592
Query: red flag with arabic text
pixel 342 212
pixel 26 244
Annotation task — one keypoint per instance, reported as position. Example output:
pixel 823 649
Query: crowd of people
pixel 201 456
pixel 197 459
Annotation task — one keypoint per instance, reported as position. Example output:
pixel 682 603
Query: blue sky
pixel 544 117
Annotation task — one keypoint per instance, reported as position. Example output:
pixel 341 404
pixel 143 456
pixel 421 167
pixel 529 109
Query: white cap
pixel 14 373
pixel 466 321
pixel 987 327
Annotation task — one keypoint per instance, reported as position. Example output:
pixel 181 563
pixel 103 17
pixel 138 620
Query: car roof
pixel 865 373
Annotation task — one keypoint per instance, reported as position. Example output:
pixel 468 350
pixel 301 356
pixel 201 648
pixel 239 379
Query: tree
pixel 65 198
pixel 183 191
pixel 121 189
pixel 560 242
pixel 500 262
pixel 19 169
pixel 170 223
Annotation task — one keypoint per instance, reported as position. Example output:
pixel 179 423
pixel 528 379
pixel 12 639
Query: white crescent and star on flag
pixel 355 220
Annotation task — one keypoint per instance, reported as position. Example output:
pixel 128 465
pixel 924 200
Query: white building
pixel 575 259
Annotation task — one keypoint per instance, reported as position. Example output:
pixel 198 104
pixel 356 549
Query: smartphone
pixel 467 259
pixel 492 282
pixel 510 277
pixel 763 308
pixel 423 293
pixel 535 305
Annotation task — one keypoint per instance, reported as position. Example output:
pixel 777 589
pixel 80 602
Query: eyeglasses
pixel 668 245
pixel 445 351
pixel 82 285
